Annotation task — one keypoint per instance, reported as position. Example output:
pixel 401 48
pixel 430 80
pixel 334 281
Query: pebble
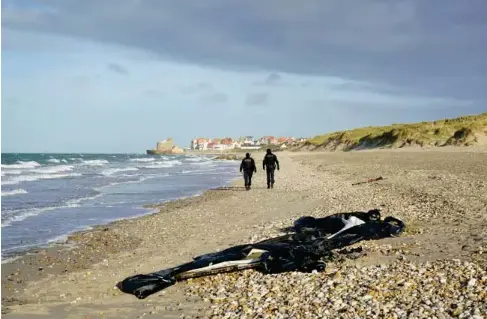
pixel 402 289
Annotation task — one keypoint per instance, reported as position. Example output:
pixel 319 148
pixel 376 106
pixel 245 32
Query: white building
pixel 248 141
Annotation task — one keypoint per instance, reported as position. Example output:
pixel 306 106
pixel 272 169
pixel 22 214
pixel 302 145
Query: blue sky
pixel 119 75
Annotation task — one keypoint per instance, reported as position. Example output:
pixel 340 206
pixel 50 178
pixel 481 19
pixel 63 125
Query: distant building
pixel 281 140
pixel 268 140
pixel 200 144
pixel 248 141
pixel 227 143
pixel 216 144
pixel 165 145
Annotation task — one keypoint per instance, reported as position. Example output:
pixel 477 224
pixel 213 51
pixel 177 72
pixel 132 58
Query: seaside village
pixel 201 144
pixel 247 142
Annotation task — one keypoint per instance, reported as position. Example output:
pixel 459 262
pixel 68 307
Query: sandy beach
pixel 441 195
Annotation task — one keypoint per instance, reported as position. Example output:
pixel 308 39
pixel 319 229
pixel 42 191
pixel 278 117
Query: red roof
pixel 226 141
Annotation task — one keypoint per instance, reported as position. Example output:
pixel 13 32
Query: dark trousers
pixel 248 178
pixel 270 176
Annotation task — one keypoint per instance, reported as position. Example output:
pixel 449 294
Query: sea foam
pixel 21 165
pixel 112 171
pixel 32 178
pixel 53 169
pixel 19 191
pixel 95 162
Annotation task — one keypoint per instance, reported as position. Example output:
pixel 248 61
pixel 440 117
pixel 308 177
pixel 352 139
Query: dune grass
pixel 456 131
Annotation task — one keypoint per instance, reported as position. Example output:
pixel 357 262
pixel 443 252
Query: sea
pixel 45 197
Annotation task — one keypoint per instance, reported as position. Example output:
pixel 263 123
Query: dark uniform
pixel 248 167
pixel 270 163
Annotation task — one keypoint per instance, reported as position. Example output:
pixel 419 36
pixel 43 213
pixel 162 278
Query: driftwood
pixel 369 181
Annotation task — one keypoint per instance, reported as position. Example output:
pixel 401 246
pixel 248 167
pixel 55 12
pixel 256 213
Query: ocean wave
pixel 77 201
pixel 199 172
pixel 165 164
pixel 95 162
pixel 14 192
pixel 57 161
pixel 21 165
pixel 197 159
pixel 53 169
pixel 16 216
pixel 207 162
pixel 32 178
pixel 12 172
pixel 141 179
pixel 150 159
pixel 112 171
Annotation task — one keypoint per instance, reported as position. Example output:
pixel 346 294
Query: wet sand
pixel 441 194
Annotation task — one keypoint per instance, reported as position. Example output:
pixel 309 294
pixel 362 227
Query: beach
pixel 440 193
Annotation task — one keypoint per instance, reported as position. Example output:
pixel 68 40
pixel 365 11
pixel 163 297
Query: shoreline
pixel 151 210
pixel 145 209
pixel 43 256
pixel 46 258
pixel 439 197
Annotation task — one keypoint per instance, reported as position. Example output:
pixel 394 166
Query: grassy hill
pixel 461 131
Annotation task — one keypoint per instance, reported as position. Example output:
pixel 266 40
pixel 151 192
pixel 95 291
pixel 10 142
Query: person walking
pixel 270 164
pixel 248 167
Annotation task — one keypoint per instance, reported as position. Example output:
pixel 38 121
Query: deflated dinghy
pixel 302 251
pixel 335 223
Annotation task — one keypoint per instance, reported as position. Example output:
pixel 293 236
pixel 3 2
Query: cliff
pixel 166 147
pixel 461 131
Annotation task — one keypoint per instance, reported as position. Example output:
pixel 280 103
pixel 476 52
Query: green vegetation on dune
pixel 462 131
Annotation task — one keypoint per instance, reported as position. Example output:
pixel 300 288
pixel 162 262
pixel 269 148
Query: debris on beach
pixel 380 178
pixel 306 250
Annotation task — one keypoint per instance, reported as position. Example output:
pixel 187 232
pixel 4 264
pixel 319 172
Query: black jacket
pixel 248 164
pixel 270 161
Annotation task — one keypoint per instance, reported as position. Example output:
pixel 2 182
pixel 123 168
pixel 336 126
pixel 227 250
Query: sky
pixel 116 76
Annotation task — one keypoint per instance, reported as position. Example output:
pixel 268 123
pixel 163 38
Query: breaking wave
pixel 112 171
pixel 14 192
pixel 53 169
pixel 20 215
pixel 165 164
pixel 31 178
pixel 22 165
pixel 150 159
pixel 196 159
pixel 11 172
pixel 95 162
